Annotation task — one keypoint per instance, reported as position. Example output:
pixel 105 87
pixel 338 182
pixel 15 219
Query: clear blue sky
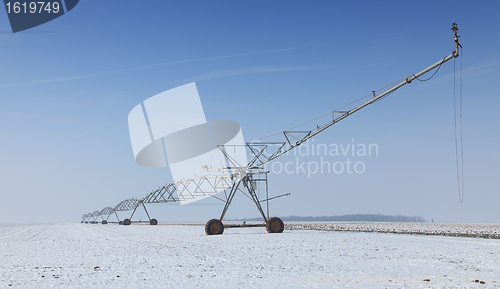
pixel 66 88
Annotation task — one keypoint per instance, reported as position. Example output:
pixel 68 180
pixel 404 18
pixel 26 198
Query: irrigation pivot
pixel 246 176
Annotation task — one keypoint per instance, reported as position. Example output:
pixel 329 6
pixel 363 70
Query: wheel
pixel 275 225
pixel 120 222
pixel 127 222
pixel 214 227
pixel 86 222
pixel 104 222
pixel 153 222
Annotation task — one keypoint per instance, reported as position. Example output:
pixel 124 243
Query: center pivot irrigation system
pixel 240 178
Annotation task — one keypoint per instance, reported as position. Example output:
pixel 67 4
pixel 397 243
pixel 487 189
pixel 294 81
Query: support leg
pixel 146 211
pixel 134 211
pixel 234 189
pixel 255 199
pixel 151 221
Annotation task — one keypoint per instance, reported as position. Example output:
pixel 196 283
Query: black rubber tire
pixel 86 222
pixel 127 222
pixel 104 222
pixel 120 222
pixel 153 222
pixel 214 227
pixel 275 225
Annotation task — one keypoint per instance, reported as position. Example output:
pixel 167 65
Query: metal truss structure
pixel 245 178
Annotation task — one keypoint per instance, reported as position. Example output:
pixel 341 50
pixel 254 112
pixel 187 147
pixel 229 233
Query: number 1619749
pixel 32 7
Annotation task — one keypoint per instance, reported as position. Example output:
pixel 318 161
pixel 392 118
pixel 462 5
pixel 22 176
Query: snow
pixel 491 231
pixel 140 256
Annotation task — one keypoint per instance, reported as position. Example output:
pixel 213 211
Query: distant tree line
pixel 349 218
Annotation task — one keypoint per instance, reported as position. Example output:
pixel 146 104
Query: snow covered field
pixel 490 231
pixel 174 256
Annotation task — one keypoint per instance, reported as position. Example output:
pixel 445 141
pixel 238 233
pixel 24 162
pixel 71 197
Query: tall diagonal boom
pixel 286 146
